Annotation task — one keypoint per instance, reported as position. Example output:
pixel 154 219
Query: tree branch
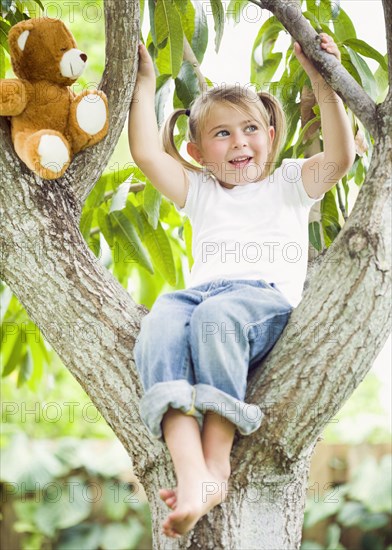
pixel 122 38
pixel 189 56
pixel 290 15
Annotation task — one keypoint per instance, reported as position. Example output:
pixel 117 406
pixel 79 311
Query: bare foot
pixel 169 497
pixel 195 498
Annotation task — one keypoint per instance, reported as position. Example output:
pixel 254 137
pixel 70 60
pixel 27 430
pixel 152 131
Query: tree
pixel 325 351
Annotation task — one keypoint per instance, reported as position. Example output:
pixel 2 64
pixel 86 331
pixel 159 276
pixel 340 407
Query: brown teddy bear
pixel 49 122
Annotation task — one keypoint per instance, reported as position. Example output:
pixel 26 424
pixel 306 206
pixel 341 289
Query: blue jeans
pixel 195 348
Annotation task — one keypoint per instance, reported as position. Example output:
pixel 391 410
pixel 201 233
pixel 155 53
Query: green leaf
pixel 168 27
pixel 351 514
pixel 371 484
pixel 371 522
pixel 347 64
pixel 5 5
pixel 330 218
pixel 129 241
pixel 187 13
pixel 5 300
pixel 97 193
pixel 151 10
pixel 160 250
pixel 83 537
pixel 329 506
pixel 118 536
pixel 26 368
pixel 313 20
pixel 16 352
pixel 365 49
pixel 39 355
pixel 66 510
pixel 367 78
pixel 151 203
pixel 333 536
pixel 105 226
pixel 315 236
pixel 119 198
pixel 187 85
pixel 85 223
pixel 219 21
pixel 4 29
pixel 200 37
pixel 188 241
pixel 134 215
pixel 234 10
pixel 381 78
pixel 263 71
pixel 302 133
pixel 161 97
pixel 343 27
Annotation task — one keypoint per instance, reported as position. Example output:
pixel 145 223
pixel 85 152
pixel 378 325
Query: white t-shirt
pixel 255 231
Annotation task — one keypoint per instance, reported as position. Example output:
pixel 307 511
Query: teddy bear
pixel 49 122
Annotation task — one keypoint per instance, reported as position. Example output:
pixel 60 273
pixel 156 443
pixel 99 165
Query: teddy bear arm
pixel 13 97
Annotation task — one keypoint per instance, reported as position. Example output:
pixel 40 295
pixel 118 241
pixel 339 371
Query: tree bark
pixel 325 351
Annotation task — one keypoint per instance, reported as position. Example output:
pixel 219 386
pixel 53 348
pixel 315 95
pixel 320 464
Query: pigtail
pixel 168 142
pixel 277 119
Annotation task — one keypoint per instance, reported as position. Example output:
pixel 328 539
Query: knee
pixel 209 322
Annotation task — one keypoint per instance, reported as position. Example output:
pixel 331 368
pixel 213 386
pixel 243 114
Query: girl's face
pixel 234 147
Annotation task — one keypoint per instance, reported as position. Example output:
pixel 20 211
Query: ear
pixel 271 133
pixel 194 152
pixel 17 38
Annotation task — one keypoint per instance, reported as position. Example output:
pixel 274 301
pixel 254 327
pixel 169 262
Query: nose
pixel 83 57
pixel 239 140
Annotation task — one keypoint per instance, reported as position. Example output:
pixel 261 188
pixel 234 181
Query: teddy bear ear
pixel 17 38
pixel 22 40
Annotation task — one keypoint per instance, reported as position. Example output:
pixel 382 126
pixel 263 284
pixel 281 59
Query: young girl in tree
pixel 250 243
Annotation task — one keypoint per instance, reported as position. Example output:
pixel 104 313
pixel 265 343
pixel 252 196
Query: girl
pixel 250 242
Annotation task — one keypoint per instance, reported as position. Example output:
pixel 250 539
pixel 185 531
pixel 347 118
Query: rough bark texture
pixel 88 318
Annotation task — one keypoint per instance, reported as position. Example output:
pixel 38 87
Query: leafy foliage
pixel 70 494
pixel 364 503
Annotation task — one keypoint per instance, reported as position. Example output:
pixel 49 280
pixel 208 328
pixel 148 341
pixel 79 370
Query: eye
pixel 64 49
pixel 221 132
pixel 251 128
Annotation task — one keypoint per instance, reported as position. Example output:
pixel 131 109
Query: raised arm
pixel 322 171
pixel 164 172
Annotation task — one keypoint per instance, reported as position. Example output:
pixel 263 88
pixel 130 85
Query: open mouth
pixel 240 162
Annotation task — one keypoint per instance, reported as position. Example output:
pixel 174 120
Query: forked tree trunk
pixel 323 354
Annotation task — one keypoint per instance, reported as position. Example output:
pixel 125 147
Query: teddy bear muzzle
pixel 73 63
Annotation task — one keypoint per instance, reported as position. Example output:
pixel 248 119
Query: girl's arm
pixel 164 172
pixel 322 171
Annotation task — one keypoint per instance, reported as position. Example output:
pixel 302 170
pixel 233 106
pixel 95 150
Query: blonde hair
pixel 262 104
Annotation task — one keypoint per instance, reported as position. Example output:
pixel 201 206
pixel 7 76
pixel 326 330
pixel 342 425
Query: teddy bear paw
pixel 53 153
pixel 91 114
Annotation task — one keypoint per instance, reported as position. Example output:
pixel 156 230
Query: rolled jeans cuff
pixel 178 394
pixel 246 417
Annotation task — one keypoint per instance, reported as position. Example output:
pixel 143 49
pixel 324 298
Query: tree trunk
pixel 264 511
pixel 323 354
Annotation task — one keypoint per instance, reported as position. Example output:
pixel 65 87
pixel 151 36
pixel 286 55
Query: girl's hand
pixel 146 70
pixel 327 43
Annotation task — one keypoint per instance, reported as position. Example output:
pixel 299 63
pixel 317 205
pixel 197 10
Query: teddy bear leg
pixel 89 119
pixel 46 152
